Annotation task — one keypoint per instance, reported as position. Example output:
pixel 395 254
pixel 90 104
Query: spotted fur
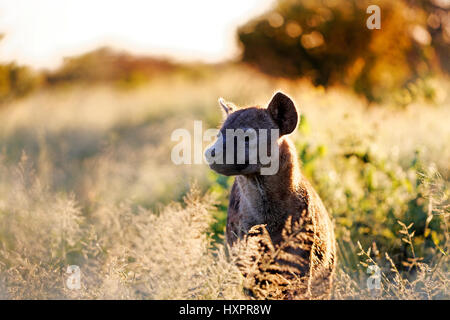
pixel 282 222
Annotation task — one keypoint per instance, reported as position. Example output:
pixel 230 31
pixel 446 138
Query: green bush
pixel 371 197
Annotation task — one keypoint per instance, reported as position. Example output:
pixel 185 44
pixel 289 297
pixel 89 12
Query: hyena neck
pixel 275 196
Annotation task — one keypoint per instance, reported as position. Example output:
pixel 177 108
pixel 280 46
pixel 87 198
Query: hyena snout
pixel 228 159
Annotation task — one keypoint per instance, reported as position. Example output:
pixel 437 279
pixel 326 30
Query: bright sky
pixel 41 33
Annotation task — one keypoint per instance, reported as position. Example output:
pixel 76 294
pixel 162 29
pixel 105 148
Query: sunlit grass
pixel 86 179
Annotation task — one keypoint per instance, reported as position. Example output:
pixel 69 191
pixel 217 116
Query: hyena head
pixel 247 143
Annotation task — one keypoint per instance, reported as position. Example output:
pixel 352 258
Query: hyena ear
pixel 227 107
pixel 283 111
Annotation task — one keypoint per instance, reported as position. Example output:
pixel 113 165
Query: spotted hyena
pixel 278 216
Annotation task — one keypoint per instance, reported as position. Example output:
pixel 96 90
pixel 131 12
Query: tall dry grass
pixel 86 179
